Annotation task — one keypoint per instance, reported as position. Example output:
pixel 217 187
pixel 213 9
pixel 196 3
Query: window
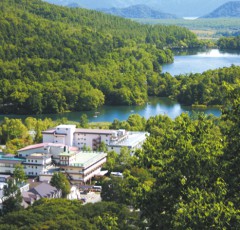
pixel 35 160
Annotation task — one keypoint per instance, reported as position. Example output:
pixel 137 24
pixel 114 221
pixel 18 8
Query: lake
pixel 196 61
pixel 154 107
pixel 185 62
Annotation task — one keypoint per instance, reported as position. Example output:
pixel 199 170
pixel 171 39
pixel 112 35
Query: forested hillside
pixel 229 43
pixel 55 59
pixel 186 176
pixel 197 89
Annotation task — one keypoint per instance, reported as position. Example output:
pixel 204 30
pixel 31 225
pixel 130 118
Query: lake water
pixel 154 107
pixel 185 62
pixel 199 61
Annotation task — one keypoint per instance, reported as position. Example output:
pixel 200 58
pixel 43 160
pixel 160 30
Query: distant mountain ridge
pixel 229 9
pixel 138 11
pixel 181 8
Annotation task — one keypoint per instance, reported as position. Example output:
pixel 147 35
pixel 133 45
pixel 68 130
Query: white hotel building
pixel 92 138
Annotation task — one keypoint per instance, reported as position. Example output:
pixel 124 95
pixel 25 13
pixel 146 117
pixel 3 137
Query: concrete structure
pixel 8 162
pixel 82 166
pixel 62 134
pixel 92 138
pixel 37 163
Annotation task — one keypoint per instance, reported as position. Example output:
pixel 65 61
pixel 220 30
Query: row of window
pixel 32 173
pixel 32 161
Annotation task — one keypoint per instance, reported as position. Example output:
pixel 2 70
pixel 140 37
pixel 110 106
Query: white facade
pixel 8 163
pixel 82 166
pixel 37 164
pixel 92 138
pixel 62 134
pixel 46 148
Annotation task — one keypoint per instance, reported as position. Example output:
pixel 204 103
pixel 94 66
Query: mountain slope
pixel 181 8
pixel 138 11
pixel 55 59
pixel 229 10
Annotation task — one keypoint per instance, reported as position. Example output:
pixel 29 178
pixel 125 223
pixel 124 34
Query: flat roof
pixel 87 158
pixel 132 139
pixel 38 156
pixel 49 131
pixel 95 131
pixel 6 159
pixel 66 126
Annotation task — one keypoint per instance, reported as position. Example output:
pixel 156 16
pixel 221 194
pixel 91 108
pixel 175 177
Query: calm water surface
pixel 185 62
pixel 154 107
pixel 199 61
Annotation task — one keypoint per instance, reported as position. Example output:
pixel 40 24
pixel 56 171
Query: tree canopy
pixel 60 181
pixel 56 59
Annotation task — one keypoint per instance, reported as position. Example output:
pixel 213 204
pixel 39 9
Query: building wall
pixel 83 175
pixel 34 170
pixel 60 139
pixel 6 168
pixel 69 131
pixel 29 152
pixel 90 140
pixel 48 138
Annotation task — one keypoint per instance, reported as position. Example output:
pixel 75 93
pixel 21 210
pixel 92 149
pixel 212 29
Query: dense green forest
pixel 68 215
pixel 207 88
pixel 55 59
pixel 211 28
pixel 229 43
pixel 186 176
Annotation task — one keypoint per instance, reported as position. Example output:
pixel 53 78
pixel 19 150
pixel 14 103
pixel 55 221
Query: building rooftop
pixel 66 126
pixel 132 139
pixel 95 131
pixel 41 145
pixel 49 131
pixel 38 156
pixel 7 159
pixel 43 190
pixel 85 159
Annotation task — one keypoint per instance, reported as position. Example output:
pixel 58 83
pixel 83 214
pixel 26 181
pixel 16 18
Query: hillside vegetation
pixel 55 59
pixel 208 88
pixel 229 43
pixel 211 28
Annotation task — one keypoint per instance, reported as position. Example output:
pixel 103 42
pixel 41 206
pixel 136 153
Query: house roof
pixel 40 145
pixel 43 190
